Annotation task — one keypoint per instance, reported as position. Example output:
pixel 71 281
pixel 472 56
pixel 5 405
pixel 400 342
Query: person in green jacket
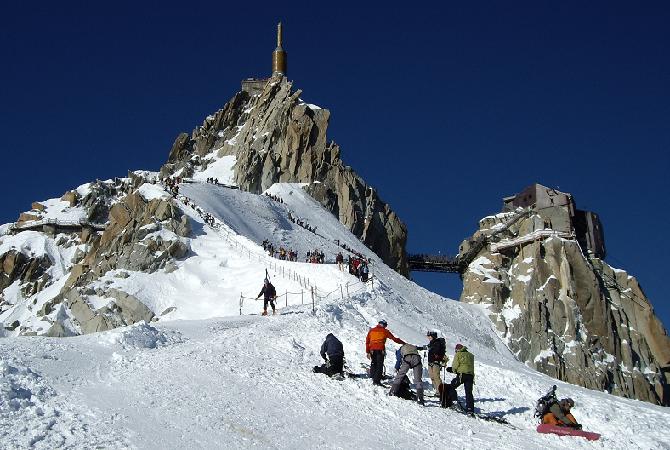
pixel 464 368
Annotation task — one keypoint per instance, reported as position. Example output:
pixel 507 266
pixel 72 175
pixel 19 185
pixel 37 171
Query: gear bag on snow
pixel 544 403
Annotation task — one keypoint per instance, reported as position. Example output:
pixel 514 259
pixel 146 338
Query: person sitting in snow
pixel 332 353
pixel 269 295
pixel 559 414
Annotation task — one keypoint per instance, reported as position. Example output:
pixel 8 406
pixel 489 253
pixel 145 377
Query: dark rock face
pixel 564 311
pixel 276 137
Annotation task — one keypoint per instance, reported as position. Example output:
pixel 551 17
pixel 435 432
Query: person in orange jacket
pixel 375 347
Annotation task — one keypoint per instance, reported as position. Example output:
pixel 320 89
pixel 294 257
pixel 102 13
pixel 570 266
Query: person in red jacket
pixel 375 347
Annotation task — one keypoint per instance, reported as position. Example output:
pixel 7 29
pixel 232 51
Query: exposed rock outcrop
pixel 146 231
pixel 276 137
pixel 560 308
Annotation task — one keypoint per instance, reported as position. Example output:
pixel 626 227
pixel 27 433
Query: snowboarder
pixel 269 295
pixel 375 348
pixel 332 353
pixel 559 414
pixel 437 349
pixel 410 360
pixel 464 368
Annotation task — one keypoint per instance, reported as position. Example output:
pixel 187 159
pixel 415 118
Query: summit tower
pixel 279 56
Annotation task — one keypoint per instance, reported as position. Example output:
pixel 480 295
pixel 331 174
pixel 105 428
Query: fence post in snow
pixel 241 299
pixel 313 306
pixel 286 298
pixel 302 297
pixel 341 292
pixel 347 289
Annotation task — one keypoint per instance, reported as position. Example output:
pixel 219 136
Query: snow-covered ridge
pixel 203 374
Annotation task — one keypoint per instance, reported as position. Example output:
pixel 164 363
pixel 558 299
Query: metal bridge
pixel 460 262
pixel 54 224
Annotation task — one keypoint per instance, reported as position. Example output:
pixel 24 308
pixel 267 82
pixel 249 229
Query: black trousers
pixel 336 366
pixel 377 366
pixel 467 380
pixel 265 303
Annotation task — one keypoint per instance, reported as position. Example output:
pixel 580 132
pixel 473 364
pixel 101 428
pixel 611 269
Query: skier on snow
pixel 269 295
pixel 375 347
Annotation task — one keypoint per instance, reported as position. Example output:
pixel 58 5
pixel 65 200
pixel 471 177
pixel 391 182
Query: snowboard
pixel 566 431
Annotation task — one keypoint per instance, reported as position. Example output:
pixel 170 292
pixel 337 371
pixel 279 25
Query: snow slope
pixel 204 376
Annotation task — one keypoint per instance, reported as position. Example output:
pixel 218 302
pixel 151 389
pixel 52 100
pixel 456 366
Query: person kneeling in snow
pixel 332 353
pixel 559 414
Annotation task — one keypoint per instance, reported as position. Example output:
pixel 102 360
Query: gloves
pixel 576 426
pixel 450 370
pixel 369 355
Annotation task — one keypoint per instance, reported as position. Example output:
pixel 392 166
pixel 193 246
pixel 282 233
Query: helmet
pixel 432 334
pixel 383 323
pixel 459 346
pixel 568 401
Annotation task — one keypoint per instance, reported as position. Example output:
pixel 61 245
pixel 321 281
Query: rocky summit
pixel 558 305
pixel 270 135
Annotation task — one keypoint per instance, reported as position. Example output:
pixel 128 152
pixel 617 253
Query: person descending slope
pixel 269 294
pixel 410 360
pixel 464 368
pixel 559 414
pixel 332 353
pixel 375 348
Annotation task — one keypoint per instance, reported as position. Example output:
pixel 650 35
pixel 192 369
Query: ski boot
pixel 264 313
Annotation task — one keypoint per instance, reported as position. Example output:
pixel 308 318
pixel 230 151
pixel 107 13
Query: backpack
pixel 544 403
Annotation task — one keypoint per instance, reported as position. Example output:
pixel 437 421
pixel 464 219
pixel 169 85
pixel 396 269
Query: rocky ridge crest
pixel 276 137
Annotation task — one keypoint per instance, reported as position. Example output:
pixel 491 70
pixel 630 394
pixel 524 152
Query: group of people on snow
pixel 280 253
pixel 172 185
pixel 358 267
pixel 557 412
pixel 213 180
pixel 407 358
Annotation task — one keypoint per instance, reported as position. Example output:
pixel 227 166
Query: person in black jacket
pixel 269 294
pixel 332 353
pixel 437 349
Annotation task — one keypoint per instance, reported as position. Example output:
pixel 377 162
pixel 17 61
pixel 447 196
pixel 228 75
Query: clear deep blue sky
pixel 444 109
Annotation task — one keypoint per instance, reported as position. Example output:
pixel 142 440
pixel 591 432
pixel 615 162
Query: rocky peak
pixel 276 137
pixel 558 305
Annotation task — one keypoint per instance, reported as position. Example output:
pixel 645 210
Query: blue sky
pixel 444 109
